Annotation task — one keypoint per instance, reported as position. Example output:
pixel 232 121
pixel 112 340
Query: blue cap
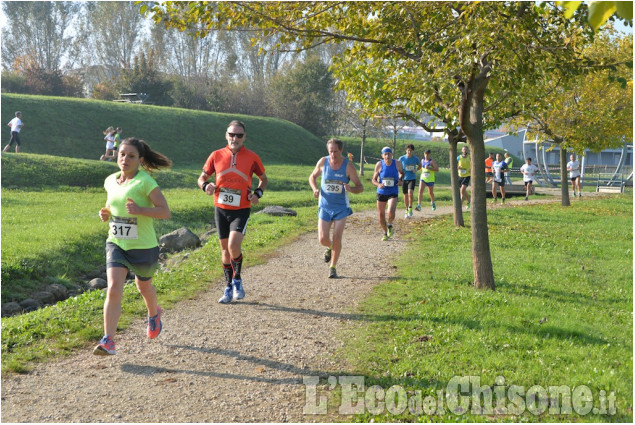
pixel 386 150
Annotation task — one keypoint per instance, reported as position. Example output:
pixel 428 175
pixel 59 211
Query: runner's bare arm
pixel 253 197
pixel 375 179
pixel 210 187
pixel 314 175
pixel 159 211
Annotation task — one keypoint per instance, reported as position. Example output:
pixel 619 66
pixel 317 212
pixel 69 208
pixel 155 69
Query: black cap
pixel 428 151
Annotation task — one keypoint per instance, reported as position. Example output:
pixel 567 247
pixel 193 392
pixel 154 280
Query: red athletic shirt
pixel 488 164
pixel 233 176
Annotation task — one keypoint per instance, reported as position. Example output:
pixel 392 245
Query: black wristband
pixel 258 193
pixel 204 186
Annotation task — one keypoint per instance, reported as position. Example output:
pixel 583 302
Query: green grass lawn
pixel 561 314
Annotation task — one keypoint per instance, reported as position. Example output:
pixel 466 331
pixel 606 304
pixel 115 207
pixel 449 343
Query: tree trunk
pixel 361 150
pixel 564 183
pixel 471 119
pixel 454 138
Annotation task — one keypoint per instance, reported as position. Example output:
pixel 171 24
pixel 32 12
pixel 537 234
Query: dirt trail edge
pixel 242 362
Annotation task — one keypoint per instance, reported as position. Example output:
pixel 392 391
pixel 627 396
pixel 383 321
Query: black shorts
pixel 15 137
pixel 500 183
pixel 464 181
pixel 574 178
pixel 408 185
pixel 142 262
pixel 489 174
pixel 385 198
pixel 529 182
pixel 231 221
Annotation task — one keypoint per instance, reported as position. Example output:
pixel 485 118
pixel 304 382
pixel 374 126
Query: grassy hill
pixel 74 128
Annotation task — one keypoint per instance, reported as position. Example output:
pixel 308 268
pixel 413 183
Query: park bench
pixel 139 98
pixel 610 182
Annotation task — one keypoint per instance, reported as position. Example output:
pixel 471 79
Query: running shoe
pixel 406 215
pixel 468 207
pixel 106 347
pixel 503 200
pixel 239 291
pixel 418 207
pixel 434 206
pixel 154 324
pixel 579 194
pixel 327 255
pixel 391 231
pixel 332 273
pixel 384 238
pixel 227 296
pixel 574 195
pixel 526 198
pixel 410 212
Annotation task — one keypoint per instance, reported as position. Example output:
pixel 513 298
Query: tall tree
pixel 302 93
pixel 38 30
pixel 594 109
pixel 475 59
pixel 112 35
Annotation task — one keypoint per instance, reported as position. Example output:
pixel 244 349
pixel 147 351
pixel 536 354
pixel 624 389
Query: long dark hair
pixel 153 160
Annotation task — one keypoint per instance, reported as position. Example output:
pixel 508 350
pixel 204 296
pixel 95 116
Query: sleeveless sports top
pixel 427 175
pixel 332 193
pixel 389 176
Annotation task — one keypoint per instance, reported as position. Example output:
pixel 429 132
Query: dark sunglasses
pixel 236 135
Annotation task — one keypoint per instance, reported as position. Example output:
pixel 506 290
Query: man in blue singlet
pixel 410 165
pixel 388 176
pixel 336 171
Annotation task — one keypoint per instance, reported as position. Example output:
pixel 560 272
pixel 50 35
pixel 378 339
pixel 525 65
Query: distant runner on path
pixel 134 200
pixel 334 206
pixel 388 176
pixel 234 166
pixel 463 168
pixel 410 164
pixel 528 171
pixel 428 169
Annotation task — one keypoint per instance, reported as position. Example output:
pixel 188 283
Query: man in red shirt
pixel 489 175
pixel 234 166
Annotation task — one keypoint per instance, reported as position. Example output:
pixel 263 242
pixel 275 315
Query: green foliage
pixel 599 12
pixel 144 77
pixel 561 314
pixel 74 128
pixel 303 95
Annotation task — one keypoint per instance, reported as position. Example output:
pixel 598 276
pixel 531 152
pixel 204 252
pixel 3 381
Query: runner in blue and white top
pixel 410 164
pixel 334 206
pixel 499 167
pixel 388 176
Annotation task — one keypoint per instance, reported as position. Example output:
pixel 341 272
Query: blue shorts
pixel 330 215
pixel 429 184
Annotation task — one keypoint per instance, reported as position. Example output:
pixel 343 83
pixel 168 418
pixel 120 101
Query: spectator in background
pixel 110 144
pixel 118 134
pixel 510 162
pixel 16 125
pixel 488 168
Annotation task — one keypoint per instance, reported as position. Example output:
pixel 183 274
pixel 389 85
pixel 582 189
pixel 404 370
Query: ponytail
pixel 153 160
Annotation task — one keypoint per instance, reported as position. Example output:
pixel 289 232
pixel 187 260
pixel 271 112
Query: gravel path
pixel 242 362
